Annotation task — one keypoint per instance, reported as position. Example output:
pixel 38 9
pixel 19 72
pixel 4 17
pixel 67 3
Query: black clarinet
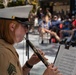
pixel 37 53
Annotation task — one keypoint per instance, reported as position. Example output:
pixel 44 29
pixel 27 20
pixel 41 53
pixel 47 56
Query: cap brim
pixel 23 21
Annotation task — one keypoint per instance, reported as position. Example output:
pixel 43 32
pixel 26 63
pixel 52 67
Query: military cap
pixel 18 13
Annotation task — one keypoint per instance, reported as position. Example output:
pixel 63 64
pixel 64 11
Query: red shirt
pixel 74 24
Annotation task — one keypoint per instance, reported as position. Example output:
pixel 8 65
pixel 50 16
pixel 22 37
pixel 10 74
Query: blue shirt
pixel 45 25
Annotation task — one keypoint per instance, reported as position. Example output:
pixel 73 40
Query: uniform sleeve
pixel 3 64
pixel 6 68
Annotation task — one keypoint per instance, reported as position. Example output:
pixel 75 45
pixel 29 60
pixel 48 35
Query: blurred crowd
pixel 59 26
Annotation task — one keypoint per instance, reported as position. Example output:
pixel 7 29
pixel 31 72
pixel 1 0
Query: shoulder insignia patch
pixel 11 69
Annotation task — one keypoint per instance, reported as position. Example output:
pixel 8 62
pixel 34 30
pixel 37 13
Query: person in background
pixel 66 29
pixel 44 26
pixel 55 22
pixel 36 20
pixel 40 14
pixel 59 17
pixel 73 22
pixel 31 19
pixel 69 32
pixel 48 12
pixel 55 26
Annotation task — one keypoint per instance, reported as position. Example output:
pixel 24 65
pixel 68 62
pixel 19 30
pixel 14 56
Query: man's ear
pixel 12 26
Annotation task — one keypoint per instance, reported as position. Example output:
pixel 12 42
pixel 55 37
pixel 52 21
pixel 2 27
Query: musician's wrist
pixel 28 64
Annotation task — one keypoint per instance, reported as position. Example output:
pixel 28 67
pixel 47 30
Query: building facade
pixel 57 6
